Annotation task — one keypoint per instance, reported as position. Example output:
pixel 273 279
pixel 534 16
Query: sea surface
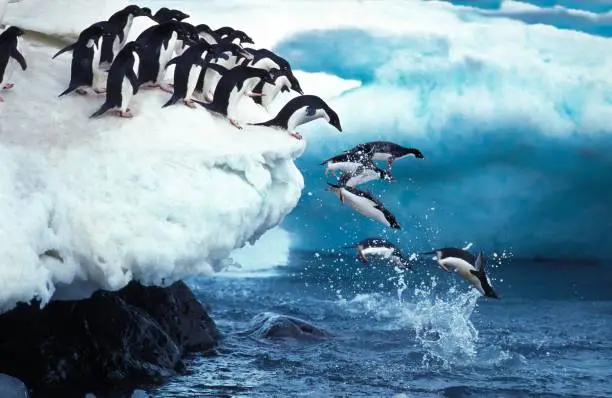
pixel 407 334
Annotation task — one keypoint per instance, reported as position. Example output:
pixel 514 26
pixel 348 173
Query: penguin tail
pixel 67 91
pixel 173 100
pixel 268 123
pixel 63 50
pixel 105 107
pixel 204 104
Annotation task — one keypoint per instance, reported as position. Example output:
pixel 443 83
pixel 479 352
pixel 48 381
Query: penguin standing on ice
pixel 364 203
pixel 10 41
pixel 122 82
pixel 187 71
pixel 283 81
pixel 86 51
pixel 233 85
pixel 158 45
pixel 300 110
pixel 378 247
pixel 470 268
pixel 122 20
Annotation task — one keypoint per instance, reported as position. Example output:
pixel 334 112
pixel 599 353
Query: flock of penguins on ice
pixel 216 67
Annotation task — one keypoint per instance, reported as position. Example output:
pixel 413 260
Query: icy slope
pixel 165 195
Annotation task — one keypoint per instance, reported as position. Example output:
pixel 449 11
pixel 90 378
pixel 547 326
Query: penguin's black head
pixel 417 154
pixel 244 38
pixel 178 15
pixel 334 120
pixel 132 9
pixel 295 84
pixel 144 12
pixel 204 28
pixel 215 52
pixel 275 73
pixel 133 46
pixel 13 31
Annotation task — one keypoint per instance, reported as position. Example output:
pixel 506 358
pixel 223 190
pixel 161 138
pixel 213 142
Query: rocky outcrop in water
pixel 137 334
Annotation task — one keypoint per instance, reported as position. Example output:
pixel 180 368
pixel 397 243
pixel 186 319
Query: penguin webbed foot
pixel 235 123
pixel 127 114
pixel 296 135
pixel 167 88
pixel 189 103
pixel 8 86
pixel 209 97
pixel 81 91
pixel 100 91
pixel 253 95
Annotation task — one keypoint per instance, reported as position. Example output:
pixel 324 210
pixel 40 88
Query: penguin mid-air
pixel 363 174
pixel 122 82
pixel 470 268
pixel 387 151
pixel 10 41
pixel 187 71
pixel 347 162
pixel 378 247
pixel 86 52
pixel 234 83
pixel 122 20
pixel 364 203
pixel 158 45
pixel 301 110
pixel 283 81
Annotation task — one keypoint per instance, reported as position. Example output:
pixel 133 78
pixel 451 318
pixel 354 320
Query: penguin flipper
pixel 173 100
pixel 63 50
pixel 133 80
pixel 70 89
pixel 218 68
pixel 20 59
pixel 105 107
pixel 173 61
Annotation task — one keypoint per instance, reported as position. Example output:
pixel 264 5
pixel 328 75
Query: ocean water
pixel 511 109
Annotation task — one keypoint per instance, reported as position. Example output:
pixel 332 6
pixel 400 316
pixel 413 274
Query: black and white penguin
pixel 266 59
pixel 10 43
pixel 122 20
pixel 86 52
pixel 470 268
pixel 379 247
pixel 387 151
pixel 233 85
pixel 364 203
pixel 283 81
pixel 122 83
pixel 206 33
pixel 300 110
pixel 158 45
pixel 188 67
pixel 237 56
pixel 363 174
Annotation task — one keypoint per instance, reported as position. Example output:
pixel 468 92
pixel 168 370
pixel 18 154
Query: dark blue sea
pixel 511 108
pixel 417 334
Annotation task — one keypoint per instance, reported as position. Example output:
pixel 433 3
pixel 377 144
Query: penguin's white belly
pixel 232 102
pixel 165 55
pixel 347 167
pixel 126 30
pixel 208 38
pixel 126 94
pixel 300 117
pixel 117 46
pixel 270 91
pixel 384 252
pixel 264 63
pixel 366 176
pixel 98 74
pixel 463 269
pixel 364 206
pixel 211 78
pixel 381 156
pixel 192 80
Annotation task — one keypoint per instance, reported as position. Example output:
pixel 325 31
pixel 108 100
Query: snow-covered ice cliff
pixel 166 195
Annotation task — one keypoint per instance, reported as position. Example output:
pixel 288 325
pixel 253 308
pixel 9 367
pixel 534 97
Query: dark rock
pixel 269 325
pixel 72 347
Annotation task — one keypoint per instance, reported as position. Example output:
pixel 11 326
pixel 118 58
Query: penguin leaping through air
pixel 382 248
pixel 470 268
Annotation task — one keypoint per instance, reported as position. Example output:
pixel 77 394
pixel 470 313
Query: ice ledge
pixel 166 195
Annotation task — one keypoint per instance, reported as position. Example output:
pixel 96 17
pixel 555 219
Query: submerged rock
pixel 137 333
pixel 270 325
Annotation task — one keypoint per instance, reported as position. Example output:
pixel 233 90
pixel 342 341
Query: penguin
pixel 264 58
pixel 10 48
pixel 364 203
pixel 363 174
pixel 158 45
pixel 122 20
pixel 122 82
pixel 380 247
pixel 165 14
pixel 233 85
pixel 347 162
pixel 283 81
pixel 300 110
pixel 206 33
pixel 388 151
pixel 470 268
pixel 209 77
pixel 86 52
pixel 187 71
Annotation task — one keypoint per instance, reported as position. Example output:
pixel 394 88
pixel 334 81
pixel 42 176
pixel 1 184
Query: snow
pixel 163 196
